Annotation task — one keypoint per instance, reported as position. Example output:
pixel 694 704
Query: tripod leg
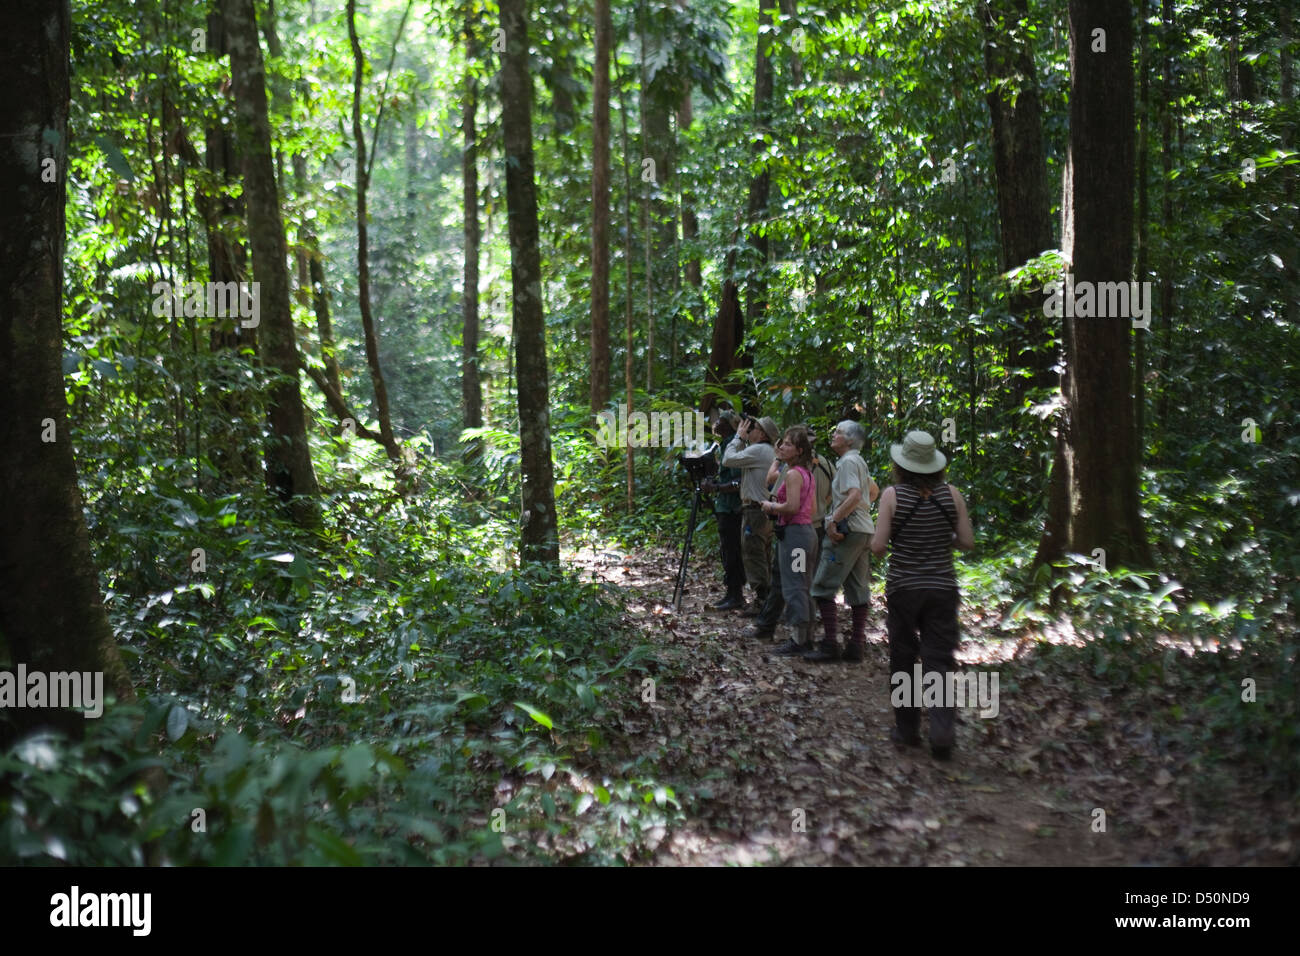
pixel 686 554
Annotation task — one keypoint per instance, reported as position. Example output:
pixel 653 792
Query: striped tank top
pixel 920 554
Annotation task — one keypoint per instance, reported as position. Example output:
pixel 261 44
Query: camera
pixel 699 465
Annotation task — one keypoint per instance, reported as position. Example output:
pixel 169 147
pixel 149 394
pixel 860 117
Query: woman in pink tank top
pixel 796 540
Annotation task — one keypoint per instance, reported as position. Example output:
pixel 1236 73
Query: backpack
pixel 822 501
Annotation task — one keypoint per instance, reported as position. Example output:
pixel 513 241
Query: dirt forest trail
pixel 766 741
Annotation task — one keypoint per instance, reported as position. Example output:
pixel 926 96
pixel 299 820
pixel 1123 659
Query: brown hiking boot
pixel 758 632
pixel 853 652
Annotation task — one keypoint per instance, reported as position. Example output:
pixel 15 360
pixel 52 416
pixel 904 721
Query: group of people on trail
pixel 774 484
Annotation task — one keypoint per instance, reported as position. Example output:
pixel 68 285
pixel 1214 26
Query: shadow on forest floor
pixel 761 741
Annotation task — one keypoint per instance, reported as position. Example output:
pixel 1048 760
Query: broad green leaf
pixel 536 714
pixel 178 721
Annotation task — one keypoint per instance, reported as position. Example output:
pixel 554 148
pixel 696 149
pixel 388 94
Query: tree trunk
pixel 759 187
pixel 320 297
pixel 1166 200
pixel 600 351
pixel 1052 545
pixel 411 147
pixel 690 222
pixel 1024 209
pixel 363 247
pixel 539 535
pixel 51 616
pixel 288 459
pixel 728 335
pixel 563 113
pixel 690 226
pixel 471 388
pixel 311 270
pixel 1100 454
pixel 227 257
pixel 629 451
pixel 338 404
pixel 648 271
pixel 730 321
pixel 793 61
pixel 235 461
pixel 1291 246
pixel 1143 211
pixel 659 229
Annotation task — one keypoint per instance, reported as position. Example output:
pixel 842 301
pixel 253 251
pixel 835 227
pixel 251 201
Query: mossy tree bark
pixel 288 459
pixel 539 537
pixel 51 614
pixel 1100 458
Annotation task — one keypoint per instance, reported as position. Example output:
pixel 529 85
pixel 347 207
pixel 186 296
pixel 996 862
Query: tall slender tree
pixel 363 243
pixel 1141 266
pixel 1167 107
pixel 649 173
pixel 659 225
pixel 690 221
pixel 288 459
pixel 629 464
pixel 600 351
pixel 1024 207
pixel 311 267
pixel 1020 166
pixel 793 60
pixel 1286 91
pixel 320 293
pixel 730 321
pixel 539 534
pixel 51 616
pixel 690 229
pixel 471 388
pixel 235 460
pixel 760 185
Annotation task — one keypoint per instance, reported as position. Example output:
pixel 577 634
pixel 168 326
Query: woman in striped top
pixel 921 519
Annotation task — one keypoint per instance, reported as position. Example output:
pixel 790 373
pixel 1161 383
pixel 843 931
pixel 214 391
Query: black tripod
pixel 699 467
pixel 686 550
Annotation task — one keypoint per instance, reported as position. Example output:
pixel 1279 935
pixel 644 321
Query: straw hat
pixel 917 454
pixel 769 427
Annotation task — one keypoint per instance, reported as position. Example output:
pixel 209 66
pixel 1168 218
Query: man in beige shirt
pixel 845 561
pixel 751 451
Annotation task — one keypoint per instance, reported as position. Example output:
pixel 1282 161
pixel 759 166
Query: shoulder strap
pixel 952 518
pixel 906 518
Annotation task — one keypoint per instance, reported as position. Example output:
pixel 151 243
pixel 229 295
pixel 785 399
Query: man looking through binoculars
pixel 751 451
pixel 727 511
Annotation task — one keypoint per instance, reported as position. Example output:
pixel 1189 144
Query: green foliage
pixel 1217 683
pixel 475 685
pixel 367 694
